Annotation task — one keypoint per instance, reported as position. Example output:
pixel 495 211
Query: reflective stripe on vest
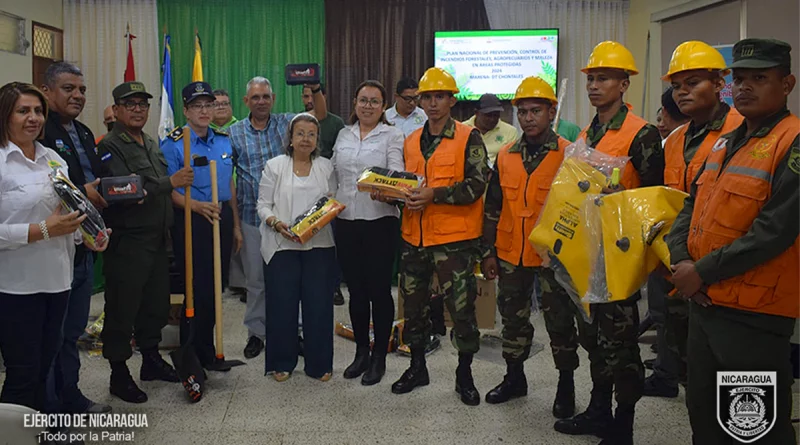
pixel 441 223
pixel 677 172
pixel 524 196
pixel 618 143
pixel 727 202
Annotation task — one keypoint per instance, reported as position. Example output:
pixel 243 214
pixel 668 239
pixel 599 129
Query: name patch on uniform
pixel 105 157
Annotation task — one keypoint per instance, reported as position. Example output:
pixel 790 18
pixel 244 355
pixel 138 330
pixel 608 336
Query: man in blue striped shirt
pixel 256 140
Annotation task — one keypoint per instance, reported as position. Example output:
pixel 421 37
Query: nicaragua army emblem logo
pixel 746 404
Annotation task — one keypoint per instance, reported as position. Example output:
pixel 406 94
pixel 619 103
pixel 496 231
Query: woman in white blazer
pixel 295 273
pixel 366 231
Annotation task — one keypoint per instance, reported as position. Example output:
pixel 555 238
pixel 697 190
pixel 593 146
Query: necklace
pixel 299 168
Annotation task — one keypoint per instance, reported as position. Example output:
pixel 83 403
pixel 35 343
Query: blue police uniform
pixel 214 147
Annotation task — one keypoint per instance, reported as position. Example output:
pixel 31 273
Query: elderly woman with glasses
pixel 366 231
pixel 297 274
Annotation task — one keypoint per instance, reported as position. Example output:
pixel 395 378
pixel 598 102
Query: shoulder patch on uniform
pixel 125 138
pixel 219 131
pixel 794 160
pixel 176 134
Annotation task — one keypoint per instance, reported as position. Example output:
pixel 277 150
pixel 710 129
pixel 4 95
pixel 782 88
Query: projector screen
pixel 496 61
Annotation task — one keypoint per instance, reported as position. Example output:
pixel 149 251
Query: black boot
pixel 621 432
pixel 360 363
pixel 514 384
pixel 564 404
pixel 123 386
pixel 415 375
pixel 465 386
pixel 376 370
pixel 155 368
pixel 596 420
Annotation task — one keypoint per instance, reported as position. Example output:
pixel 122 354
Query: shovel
pixel 221 364
pixel 185 360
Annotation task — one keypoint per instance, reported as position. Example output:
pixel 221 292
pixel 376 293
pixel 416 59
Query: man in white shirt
pixel 405 114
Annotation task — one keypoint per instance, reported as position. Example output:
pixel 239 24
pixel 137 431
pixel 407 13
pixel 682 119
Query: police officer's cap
pixel 761 54
pixel 128 89
pixel 196 89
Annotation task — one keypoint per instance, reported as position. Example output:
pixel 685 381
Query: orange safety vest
pixel 618 143
pixel 727 203
pixel 523 198
pixel 441 223
pixel 677 174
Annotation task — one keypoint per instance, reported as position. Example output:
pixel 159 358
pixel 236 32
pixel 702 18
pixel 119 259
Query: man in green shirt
pixel 495 132
pixel 223 112
pixel 328 127
pixel 136 265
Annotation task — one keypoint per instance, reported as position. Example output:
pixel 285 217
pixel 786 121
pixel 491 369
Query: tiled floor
pixel 246 407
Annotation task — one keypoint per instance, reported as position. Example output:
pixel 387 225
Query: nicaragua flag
pixel 167 121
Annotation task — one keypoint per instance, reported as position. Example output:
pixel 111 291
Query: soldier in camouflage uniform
pixel 441 226
pixel 612 338
pixel 523 171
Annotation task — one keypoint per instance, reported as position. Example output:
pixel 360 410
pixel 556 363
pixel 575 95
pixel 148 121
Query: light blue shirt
pixel 408 124
pixel 215 147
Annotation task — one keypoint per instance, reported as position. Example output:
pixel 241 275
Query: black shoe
pixel 154 367
pixel 416 374
pixel 649 363
pixel 465 385
pixel 564 404
pixel 621 432
pixel 97 408
pixel 656 387
pixel 123 386
pixel 360 363
pixel 254 347
pixel 338 298
pixel 514 384
pixel 596 420
pixel 376 370
pixel 243 297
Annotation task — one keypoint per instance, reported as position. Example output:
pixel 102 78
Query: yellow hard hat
pixel 437 79
pixel 611 54
pixel 534 88
pixel 695 55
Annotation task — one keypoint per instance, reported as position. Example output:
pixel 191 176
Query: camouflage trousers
pixel 514 301
pixel 612 343
pixel 454 266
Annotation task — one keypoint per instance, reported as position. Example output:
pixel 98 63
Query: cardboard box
pixel 485 304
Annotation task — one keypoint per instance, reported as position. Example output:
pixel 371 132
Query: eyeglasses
pixel 222 104
pixel 374 103
pixel 302 135
pixel 409 99
pixel 130 106
pixel 201 106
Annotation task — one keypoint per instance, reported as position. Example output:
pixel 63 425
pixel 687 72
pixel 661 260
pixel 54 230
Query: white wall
pixel 49 12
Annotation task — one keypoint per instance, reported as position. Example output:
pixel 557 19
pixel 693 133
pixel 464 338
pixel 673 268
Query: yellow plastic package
pixel 392 183
pixel 626 239
pixel 560 234
pixel 310 222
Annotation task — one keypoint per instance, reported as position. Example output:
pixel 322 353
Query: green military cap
pixel 129 89
pixel 760 53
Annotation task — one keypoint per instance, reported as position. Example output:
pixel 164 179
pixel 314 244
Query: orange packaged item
pixel 316 218
pixel 392 183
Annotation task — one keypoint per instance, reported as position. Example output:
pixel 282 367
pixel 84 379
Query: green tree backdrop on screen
pixel 242 39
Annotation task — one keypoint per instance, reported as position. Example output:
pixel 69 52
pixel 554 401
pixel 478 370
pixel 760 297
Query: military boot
pixel 514 384
pixel 596 420
pixel 564 404
pixel 154 367
pixel 123 386
pixel 465 385
pixel 415 375
pixel 360 363
pixel 621 431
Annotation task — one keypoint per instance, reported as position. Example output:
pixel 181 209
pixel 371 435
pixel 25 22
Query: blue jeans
pixel 295 277
pixel 63 394
pixel 30 336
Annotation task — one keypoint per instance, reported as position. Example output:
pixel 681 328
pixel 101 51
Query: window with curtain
pixel 243 39
pixel 387 40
